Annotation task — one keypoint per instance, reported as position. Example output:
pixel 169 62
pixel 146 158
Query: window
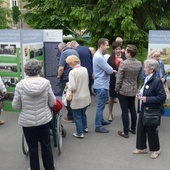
pixel 14 3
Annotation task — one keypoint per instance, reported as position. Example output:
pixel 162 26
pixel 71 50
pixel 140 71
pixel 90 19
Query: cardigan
pixel 78 84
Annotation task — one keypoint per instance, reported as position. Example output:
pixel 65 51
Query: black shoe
pixel 101 130
pixel 105 123
pixel 65 119
pixel 122 134
pixel 132 131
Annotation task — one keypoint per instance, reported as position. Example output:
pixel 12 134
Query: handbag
pixel 64 100
pixel 167 91
pixel 58 105
pixel 152 117
pixel 69 95
pixel 165 86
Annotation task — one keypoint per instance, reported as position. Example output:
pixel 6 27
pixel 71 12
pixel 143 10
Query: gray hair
pixel 151 64
pixel 62 45
pixel 119 39
pixel 74 44
pixel 33 67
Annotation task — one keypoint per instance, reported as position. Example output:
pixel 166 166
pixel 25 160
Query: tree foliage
pixel 101 18
pixel 15 14
pixel 5 14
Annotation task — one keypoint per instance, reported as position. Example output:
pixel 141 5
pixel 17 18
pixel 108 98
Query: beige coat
pixel 78 84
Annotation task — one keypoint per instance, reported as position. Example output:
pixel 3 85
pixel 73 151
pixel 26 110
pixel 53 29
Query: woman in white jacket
pixel 33 96
pixel 78 84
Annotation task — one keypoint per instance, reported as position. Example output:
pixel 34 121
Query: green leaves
pixel 5 14
pixel 15 14
pixel 130 19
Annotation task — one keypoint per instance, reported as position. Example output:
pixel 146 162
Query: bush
pixel 81 41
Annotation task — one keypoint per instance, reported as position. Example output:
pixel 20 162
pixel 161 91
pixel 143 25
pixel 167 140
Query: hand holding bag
pixel 69 95
pixel 152 117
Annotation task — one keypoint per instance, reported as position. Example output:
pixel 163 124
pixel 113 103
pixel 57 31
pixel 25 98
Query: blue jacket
pixel 154 92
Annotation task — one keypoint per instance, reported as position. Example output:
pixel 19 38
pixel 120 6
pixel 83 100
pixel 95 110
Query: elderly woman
pixel 33 96
pixel 78 84
pixel 152 95
pixel 161 73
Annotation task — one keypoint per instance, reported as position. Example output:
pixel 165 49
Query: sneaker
pixel 86 130
pixel 65 119
pixel 101 130
pixel 140 151
pixel 78 136
pixel 105 123
pixel 1 122
pixel 155 154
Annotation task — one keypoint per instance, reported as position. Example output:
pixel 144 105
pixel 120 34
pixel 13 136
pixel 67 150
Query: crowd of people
pixel 118 76
pixel 87 72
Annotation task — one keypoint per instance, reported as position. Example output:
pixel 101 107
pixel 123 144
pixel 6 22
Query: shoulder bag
pixel 152 117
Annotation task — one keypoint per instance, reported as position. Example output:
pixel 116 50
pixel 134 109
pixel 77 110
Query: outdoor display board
pixel 160 40
pixel 17 46
pixel 10 65
pixel 32 46
pixel 52 55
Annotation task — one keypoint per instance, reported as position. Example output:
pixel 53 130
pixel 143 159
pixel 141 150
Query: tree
pixel 5 14
pixel 102 18
pixel 15 14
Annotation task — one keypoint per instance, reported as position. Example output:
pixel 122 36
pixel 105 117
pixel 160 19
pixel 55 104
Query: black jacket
pixel 155 93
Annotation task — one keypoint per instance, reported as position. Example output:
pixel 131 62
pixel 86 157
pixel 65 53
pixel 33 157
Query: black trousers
pixel 91 82
pixel 69 110
pixel 41 134
pixel 127 104
pixel 144 132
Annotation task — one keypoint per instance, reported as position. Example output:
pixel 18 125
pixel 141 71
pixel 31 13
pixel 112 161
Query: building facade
pixel 20 4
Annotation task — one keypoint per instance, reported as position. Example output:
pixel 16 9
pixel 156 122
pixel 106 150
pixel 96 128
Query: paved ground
pixel 94 152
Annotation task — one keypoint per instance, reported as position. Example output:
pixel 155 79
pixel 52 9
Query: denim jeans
pixel 41 134
pixel 102 95
pixel 80 120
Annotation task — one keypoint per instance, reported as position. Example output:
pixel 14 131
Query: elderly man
pixel 86 58
pixel 63 71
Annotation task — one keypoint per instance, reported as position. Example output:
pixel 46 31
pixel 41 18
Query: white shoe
pixel 140 151
pixel 86 130
pixel 155 154
pixel 78 136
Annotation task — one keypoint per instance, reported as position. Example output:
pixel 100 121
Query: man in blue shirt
pixel 102 71
pixel 63 72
